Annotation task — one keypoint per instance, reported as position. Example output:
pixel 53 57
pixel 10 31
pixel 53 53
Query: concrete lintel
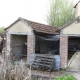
pixel 21 33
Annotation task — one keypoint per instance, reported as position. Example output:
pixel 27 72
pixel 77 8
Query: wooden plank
pixel 42 61
pixel 46 60
pixel 44 56
pixel 41 65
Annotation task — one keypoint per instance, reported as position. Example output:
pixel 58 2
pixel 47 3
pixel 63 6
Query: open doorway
pixel 74 53
pixel 19 46
pixel 73 46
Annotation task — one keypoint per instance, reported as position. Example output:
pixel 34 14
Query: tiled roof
pixel 38 27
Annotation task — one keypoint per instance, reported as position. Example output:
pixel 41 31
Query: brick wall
pixel 64 51
pixel 30 46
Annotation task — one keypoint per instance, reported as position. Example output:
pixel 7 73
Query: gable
pixel 19 27
pixel 73 28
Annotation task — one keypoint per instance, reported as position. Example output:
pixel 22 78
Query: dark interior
pixel 19 46
pixel 46 44
pixel 73 46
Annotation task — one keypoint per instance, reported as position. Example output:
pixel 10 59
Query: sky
pixel 34 10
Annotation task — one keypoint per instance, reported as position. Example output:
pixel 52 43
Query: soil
pixel 41 75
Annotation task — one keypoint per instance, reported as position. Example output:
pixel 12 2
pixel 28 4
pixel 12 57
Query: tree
pixel 61 11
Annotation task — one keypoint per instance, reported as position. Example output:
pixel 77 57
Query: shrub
pixel 8 71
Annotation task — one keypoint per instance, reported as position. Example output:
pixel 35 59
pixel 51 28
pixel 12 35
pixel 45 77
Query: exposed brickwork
pixel 63 51
pixel 30 46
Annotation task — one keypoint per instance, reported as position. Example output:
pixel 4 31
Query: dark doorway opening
pixel 73 46
pixel 18 46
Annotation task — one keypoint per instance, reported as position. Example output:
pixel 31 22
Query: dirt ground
pixel 77 75
pixel 51 76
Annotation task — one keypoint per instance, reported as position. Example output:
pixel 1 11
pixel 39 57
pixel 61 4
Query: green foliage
pixel 66 77
pixel 63 69
pixel 61 11
pixel 2 29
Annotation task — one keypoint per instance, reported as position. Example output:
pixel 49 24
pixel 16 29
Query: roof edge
pixel 13 23
pixel 69 23
pixel 76 4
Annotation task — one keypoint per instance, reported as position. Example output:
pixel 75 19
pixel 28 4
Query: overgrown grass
pixel 9 71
